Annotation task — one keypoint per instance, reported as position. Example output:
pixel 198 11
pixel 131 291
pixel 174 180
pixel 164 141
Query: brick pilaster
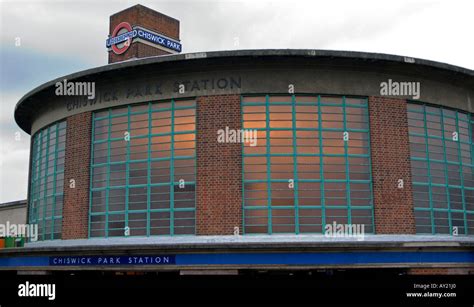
pixel 219 167
pixel 390 150
pixel 77 167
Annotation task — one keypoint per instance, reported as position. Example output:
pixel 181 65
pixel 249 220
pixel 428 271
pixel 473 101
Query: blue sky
pixel 61 37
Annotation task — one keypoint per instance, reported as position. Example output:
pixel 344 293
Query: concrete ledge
pixel 257 242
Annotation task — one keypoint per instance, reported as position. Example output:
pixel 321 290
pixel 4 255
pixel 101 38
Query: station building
pixel 342 138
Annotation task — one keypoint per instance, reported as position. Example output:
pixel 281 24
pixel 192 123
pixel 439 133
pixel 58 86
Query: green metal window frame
pixel 320 154
pixel 46 204
pixel 430 184
pixel 172 184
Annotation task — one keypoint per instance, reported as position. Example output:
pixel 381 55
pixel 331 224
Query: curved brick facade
pixel 388 132
pixel 219 188
pixel 217 92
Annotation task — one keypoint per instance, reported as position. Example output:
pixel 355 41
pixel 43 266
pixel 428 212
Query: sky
pixel 43 40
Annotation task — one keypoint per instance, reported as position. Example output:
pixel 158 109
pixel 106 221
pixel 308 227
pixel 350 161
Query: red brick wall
pixel 77 167
pixel 144 51
pixel 147 18
pixel 393 207
pixel 219 167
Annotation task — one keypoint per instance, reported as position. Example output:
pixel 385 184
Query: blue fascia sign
pixel 111 260
pixel 141 33
pixel 265 258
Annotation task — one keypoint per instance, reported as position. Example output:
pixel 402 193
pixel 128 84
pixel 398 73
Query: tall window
pixel 311 165
pixel 441 149
pixel 143 170
pixel 47 180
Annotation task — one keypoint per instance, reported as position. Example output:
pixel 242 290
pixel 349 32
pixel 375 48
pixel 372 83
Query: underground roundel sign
pixel 121 38
pixel 124 35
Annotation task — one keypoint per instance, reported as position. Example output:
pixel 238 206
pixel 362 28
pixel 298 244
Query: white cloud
pixel 426 28
pixel 14 152
pixel 13 174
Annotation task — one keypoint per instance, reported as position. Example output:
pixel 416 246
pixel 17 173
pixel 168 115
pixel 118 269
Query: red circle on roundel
pixel 120 26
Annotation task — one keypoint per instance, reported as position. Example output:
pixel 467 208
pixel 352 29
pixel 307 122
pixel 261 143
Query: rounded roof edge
pixel 311 53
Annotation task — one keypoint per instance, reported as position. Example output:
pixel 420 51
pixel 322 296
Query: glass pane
pixel 150 175
pixel 304 162
pixel 441 168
